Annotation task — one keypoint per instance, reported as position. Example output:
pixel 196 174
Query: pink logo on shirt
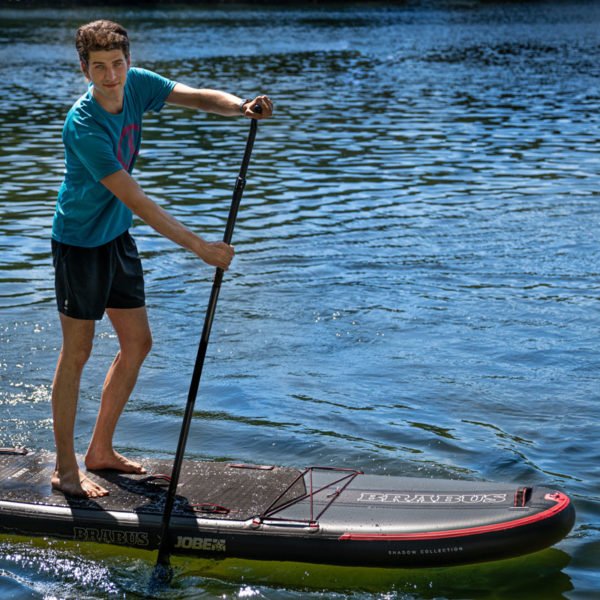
pixel 127 150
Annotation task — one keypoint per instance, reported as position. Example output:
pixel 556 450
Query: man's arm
pixel 126 189
pixel 220 103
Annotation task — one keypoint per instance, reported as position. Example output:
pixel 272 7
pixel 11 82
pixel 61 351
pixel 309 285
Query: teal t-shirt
pixel 97 144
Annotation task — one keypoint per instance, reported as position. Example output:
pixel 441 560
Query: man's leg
pixel 135 341
pixel 78 336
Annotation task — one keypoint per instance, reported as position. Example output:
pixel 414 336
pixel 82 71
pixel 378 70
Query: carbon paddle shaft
pixel 164 550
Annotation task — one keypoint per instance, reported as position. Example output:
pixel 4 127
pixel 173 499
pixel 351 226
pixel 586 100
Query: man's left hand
pixel 266 105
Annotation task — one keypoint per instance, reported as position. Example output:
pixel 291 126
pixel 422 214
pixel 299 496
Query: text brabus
pixel 111 536
pixel 388 498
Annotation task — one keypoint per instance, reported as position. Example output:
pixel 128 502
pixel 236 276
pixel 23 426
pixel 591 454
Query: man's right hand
pixel 217 254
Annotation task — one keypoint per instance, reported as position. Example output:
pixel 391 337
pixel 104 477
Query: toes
pixel 92 489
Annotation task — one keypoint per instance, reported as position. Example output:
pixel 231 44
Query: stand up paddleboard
pixel 318 514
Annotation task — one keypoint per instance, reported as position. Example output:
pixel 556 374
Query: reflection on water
pixel 416 282
pixel 113 575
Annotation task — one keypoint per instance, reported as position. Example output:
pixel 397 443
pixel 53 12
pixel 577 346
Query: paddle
pixel 162 570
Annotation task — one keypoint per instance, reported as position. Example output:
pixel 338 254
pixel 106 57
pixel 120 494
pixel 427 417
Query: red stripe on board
pixel 562 501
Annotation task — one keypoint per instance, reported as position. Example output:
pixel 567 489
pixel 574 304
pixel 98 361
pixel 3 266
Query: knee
pixel 137 349
pixel 76 357
pixel 145 345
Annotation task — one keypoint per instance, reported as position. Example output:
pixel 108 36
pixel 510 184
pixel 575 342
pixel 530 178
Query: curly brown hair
pixel 101 35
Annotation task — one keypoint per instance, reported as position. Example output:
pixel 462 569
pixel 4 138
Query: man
pixel 97 267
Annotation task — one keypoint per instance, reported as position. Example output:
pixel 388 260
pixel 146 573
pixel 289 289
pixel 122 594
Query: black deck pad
pixel 225 490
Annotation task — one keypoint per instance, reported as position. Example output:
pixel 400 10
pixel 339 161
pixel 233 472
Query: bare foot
pixel 113 461
pixel 79 485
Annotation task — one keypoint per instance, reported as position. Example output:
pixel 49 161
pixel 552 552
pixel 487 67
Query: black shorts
pixel 89 280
